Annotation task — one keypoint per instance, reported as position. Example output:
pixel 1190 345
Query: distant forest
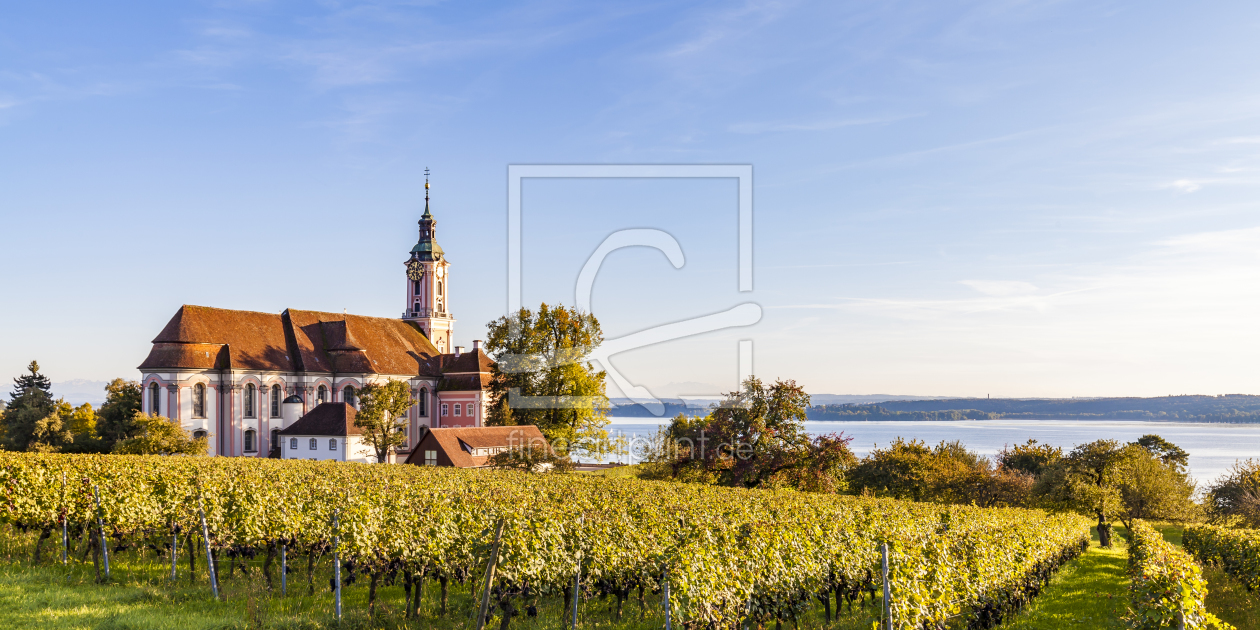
pixel 1232 408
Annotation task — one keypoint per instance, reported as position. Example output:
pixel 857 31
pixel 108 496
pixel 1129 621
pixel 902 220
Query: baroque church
pixel 241 377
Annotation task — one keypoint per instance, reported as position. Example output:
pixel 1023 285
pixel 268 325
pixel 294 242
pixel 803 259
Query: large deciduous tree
pixel 543 377
pixel 1143 479
pixel 1234 498
pixel 382 416
pixel 756 438
pixel 116 418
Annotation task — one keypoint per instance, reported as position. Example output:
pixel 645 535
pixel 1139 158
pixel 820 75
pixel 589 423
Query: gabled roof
pixel 452 442
pixel 254 341
pixel 326 419
pixel 201 337
pixel 466 363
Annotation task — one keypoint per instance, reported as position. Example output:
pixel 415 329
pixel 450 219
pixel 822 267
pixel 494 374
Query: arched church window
pixel 416 307
pixel 422 405
pixel 248 402
pixel 199 401
pixel 275 401
pixel 415 287
pixel 322 395
pixel 155 406
pixel 440 288
pixel 251 441
pixel 275 438
pixel 347 395
pixel 199 434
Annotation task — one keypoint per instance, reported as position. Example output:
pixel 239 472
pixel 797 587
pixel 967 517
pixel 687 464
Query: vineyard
pixel 1168 589
pixel 1236 551
pixel 715 556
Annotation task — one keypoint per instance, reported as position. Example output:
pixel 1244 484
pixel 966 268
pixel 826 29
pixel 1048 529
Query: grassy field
pixel 1090 592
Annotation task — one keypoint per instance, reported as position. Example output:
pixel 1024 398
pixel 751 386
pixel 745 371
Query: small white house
pixel 327 432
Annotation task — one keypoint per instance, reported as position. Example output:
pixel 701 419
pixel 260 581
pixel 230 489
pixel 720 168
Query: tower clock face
pixel 415 271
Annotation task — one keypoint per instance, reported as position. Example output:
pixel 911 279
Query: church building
pixel 242 377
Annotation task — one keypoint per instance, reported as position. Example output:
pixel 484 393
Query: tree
pixel 50 434
pixel 30 402
pixel 532 458
pixel 156 435
pixel 755 438
pixel 1085 481
pixel 381 416
pixel 1153 486
pixel 948 473
pixel 32 381
pixel 542 376
pixel 1235 497
pixel 1031 458
pixel 116 418
pixel 1167 452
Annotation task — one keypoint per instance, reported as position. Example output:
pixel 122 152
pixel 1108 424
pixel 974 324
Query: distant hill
pixel 625 408
pixel 1226 408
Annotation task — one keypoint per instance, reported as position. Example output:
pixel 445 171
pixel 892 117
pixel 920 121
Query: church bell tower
pixel 428 272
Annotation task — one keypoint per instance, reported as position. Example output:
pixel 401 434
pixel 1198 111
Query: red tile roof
pixel 200 337
pixel 332 419
pixel 451 442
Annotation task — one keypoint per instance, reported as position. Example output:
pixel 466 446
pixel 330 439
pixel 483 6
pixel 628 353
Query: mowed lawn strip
pixel 1089 592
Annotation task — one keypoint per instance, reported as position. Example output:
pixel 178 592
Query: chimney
pixel 476 345
pixel 458 351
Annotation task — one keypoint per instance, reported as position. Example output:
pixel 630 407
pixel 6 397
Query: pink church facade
pixel 241 377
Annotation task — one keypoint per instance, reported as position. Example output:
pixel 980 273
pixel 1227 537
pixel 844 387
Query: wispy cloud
pixel 816 125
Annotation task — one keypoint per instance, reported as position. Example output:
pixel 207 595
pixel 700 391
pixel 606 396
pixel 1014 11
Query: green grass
pixel 1089 592
pixel 1228 599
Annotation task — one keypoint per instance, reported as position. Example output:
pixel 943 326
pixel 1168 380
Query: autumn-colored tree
pixel 542 376
pixel 155 435
pixel 382 416
pixel 755 438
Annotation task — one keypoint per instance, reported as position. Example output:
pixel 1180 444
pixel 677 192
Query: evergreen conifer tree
pixel 30 402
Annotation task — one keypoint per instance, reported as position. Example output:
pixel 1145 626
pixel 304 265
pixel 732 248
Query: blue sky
pixel 955 198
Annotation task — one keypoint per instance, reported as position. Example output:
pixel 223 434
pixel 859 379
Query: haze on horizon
pixel 1016 199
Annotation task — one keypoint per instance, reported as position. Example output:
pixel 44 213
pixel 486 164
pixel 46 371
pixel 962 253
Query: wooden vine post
pixel 100 524
pixel 336 564
pixel 887 607
pixel 577 578
pixel 284 570
pixel 485 593
pixel 205 535
pixel 65 537
pixel 174 548
pixel 665 588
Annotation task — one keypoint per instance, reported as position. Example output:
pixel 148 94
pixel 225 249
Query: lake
pixel 1213 448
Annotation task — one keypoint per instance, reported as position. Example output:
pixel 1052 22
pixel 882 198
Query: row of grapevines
pixel 1168 588
pixel 1236 551
pixel 727 554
